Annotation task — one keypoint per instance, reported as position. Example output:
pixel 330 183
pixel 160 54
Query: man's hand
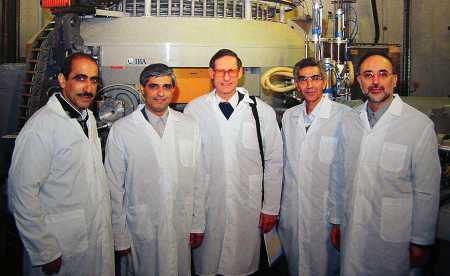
pixel 52 267
pixel 418 255
pixel 335 236
pixel 195 239
pixel 267 222
pixel 123 253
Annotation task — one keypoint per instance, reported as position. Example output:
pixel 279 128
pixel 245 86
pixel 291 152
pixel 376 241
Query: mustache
pixel 85 94
pixel 376 87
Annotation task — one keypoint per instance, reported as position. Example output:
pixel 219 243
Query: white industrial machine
pixel 127 35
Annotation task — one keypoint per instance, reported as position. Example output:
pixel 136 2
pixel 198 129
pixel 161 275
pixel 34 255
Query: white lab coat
pixel 59 195
pixel 389 189
pixel 232 238
pixel 157 191
pixel 304 228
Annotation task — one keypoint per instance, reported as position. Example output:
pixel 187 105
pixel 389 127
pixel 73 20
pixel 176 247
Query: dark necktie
pixel 226 108
pixel 83 123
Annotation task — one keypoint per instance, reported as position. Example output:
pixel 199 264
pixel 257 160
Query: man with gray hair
pixel 239 206
pixel 310 139
pixel 154 166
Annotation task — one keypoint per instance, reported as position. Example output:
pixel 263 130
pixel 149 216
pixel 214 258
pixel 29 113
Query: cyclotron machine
pixel 127 35
pixel 124 36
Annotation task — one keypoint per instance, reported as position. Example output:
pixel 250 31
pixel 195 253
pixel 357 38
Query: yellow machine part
pixel 191 83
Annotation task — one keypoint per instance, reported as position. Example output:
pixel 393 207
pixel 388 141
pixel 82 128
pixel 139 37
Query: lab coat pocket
pixel 185 148
pixel 255 190
pixel 70 231
pixel 393 157
pixel 327 149
pixel 249 136
pixel 139 222
pixel 396 219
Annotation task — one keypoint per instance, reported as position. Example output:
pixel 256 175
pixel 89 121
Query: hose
pixel 375 21
pixel 284 72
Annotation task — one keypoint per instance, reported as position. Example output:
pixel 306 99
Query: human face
pixel 311 89
pixel 80 87
pixel 225 76
pixel 158 93
pixel 377 80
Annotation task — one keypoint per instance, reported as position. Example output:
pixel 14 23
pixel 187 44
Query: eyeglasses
pixel 382 75
pixel 311 78
pixel 231 72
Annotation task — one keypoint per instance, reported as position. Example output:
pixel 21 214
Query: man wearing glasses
pixel 310 140
pixel 235 217
pixel 388 198
pixel 153 163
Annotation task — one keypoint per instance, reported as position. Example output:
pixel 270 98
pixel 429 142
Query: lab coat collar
pixel 56 106
pixel 325 106
pixel 173 116
pixel 395 109
pixel 396 106
pixel 212 95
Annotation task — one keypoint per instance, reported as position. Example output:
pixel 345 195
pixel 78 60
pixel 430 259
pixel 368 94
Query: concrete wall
pixel 430 47
pixel 390 18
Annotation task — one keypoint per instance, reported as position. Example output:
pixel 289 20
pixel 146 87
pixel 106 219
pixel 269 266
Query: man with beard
pixel 57 189
pixel 310 139
pixel 153 162
pixel 387 199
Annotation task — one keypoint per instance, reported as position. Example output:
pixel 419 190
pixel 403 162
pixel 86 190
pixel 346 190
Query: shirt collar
pixel 234 100
pixel 315 113
pixel 155 118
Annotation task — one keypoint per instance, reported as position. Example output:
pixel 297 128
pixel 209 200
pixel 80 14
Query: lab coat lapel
pixel 57 108
pixel 168 154
pixel 148 130
pixel 364 120
pixel 299 120
pixel 324 114
pixel 90 152
pixel 393 111
pixel 214 106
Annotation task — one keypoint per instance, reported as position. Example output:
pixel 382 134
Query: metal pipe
pixel 375 21
pixel 406 56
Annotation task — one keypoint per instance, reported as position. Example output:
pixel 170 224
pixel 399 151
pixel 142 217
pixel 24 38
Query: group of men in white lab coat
pixel 173 181
pixel 364 182
pixel 204 179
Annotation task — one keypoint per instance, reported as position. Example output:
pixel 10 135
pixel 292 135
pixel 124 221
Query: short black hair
pixel 67 65
pixel 371 54
pixel 156 70
pixel 306 62
pixel 224 53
